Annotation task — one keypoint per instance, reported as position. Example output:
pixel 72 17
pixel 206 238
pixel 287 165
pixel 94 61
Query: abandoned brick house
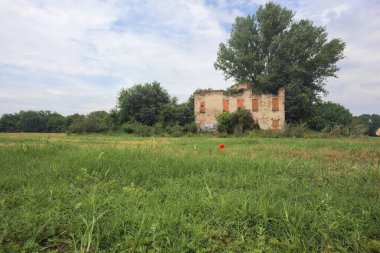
pixel 267 110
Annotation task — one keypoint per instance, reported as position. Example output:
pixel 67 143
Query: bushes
pixel 237 122
pixel 328 115
pixel 224 123
pixel 33 121
pixel 158 129
pixel 137 128
pixel 95 122
pixel 295 130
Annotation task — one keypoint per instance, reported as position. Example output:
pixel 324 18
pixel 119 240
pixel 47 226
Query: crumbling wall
pixel 267 110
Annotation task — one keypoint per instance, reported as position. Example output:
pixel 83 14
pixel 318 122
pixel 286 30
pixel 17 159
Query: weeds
pixel 93 193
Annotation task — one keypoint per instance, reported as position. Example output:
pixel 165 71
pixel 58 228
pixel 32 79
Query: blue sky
pixel 74 56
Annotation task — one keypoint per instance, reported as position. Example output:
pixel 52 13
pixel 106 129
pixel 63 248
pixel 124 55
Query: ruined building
pixel 267 110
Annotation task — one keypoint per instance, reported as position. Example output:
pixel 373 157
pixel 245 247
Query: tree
pixel 9 122
pixel 176 114
pixel 329 114
pixel 95 122
pixel 142 103
pixel 372 122
pixel 56 123
pixel 33 121
pixel 270 50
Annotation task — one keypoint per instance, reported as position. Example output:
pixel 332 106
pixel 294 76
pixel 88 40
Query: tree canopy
pixel 329 114
pixel 142 103
pixel 270 49
pixel 372 122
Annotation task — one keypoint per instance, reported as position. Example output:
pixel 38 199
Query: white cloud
pixel 72 43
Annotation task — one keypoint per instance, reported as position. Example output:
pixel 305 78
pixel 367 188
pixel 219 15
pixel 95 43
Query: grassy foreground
pixel 128 194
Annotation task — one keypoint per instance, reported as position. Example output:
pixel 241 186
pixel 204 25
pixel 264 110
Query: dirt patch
pixel 131 142
pixel 7 144
pixel 301 153
pixel 21 135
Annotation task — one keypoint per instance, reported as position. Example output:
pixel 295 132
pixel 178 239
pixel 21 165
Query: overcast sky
pixel 74 56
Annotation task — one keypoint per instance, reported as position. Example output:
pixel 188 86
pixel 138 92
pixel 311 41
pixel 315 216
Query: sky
pixel 74 56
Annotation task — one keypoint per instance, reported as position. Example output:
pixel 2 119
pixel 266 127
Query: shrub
pixel 159 129
pixel 175 130
pixel 137 128
pixel 237 122
pixel 224 123
pixel 95 122
pixel 336 131
pixel 357 128
pixel 295 130
pixel 190 128
pixel 242 121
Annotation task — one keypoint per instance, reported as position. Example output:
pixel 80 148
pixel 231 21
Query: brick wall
pixel 267 110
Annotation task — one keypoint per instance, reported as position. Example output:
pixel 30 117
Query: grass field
pixel 97 193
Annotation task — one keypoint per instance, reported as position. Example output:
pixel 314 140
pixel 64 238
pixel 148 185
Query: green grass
pixel 97 193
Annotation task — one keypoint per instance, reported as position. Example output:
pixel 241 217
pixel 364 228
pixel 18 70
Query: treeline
pixel 148 109
pixel 327 118
pixel 144 110
pixel 52 122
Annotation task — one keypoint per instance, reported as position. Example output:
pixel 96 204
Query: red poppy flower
pixel 221 146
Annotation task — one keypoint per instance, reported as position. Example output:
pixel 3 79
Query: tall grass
pixel 115 193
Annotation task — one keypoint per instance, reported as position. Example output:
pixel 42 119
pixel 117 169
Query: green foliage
pixel 159 129
pixel 190 103
pixel 33 121
pixel 270 50
pixel 336 130
pixel 174 114
pixel 197 91
pixel 9 122
pixel 230 91
pixel 224 123
pixel 295 130
pixel 118 193
pixel 56 123
pixel 191 128
pixel 326 115
pixel 372 122
pixel 237 122
pixel 137 129
pixel 95 122
pixel 142 103
pixel 358 128
pixel 174 130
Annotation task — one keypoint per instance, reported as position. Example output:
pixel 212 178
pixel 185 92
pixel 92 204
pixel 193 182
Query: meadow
pixel 119 193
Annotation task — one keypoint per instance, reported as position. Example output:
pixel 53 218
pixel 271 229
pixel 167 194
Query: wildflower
pixel 221 146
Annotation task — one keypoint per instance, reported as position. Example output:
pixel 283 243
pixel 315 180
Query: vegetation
pixel 103 193
pixel 328 114
pixel 95 122
pixel 33 121
pixel 142 103
pixel 236 122
pixel 372 123
pixel 230 91
pixel 124 193
pixel 270 50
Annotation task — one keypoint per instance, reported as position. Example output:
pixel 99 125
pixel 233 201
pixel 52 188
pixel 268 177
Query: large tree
pixel 270 50
pixel 329 114
pixel 142 103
